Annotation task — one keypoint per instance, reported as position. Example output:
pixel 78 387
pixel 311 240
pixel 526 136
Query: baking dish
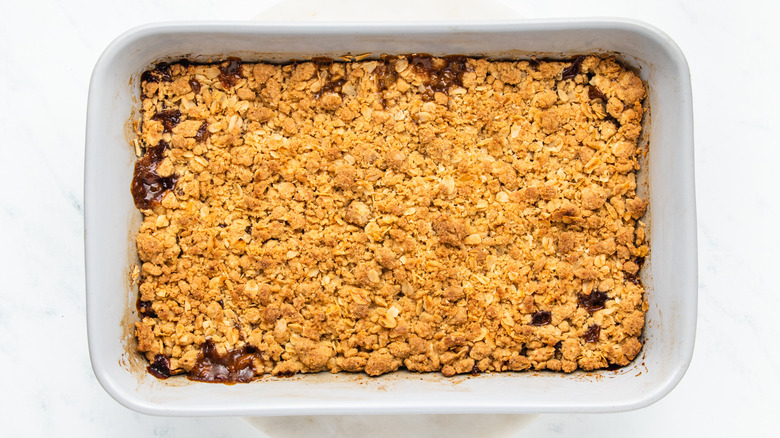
pixel 669 274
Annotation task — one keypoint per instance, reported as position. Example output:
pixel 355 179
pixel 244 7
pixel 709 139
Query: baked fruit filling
pixel 450 214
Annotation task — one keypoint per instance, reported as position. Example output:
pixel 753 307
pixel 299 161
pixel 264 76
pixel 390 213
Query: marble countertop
pixel 48 50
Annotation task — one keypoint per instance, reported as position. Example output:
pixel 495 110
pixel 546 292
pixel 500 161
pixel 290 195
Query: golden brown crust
pixel 368 229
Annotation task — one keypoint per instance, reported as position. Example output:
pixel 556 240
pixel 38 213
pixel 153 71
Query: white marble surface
pixel 48 50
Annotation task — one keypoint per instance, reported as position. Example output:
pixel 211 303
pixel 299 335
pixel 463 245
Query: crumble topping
pixel 435 214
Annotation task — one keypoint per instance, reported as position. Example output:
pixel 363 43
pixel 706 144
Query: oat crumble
pixel 456 215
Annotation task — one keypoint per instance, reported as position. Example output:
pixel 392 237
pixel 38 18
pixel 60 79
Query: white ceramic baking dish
pixel 669 274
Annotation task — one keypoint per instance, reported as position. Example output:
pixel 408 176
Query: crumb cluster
pixel 457 215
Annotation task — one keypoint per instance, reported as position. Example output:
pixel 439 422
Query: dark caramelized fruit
pixel 160 73
pixel 148 187
pixel 203 132
pixel 195 85
pixel 595 93
pixel 386 76
pixel 235 366
pixel 169 118
pixel 230 73
pixel 160 367
pixel 592 333
pixel 145 308
pixel 440 73
pixel 594 301
pixel 541 318
pixel 331 86
pixel 573 70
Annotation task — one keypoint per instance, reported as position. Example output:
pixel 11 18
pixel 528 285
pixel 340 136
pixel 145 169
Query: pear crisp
pixel 455 214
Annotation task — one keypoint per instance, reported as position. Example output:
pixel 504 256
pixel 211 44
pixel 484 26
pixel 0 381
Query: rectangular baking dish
pixel 667 179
